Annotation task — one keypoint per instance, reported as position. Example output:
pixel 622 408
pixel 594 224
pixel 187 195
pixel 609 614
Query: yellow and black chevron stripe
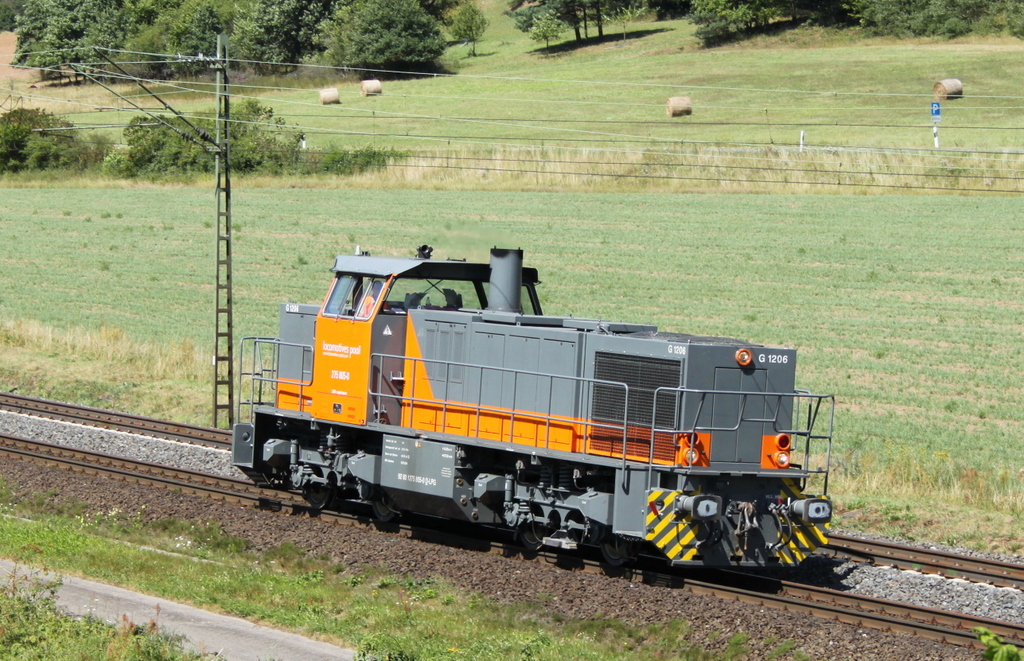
pixel 806 536
pixel 677 538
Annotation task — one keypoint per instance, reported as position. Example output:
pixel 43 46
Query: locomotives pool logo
pixel 340 350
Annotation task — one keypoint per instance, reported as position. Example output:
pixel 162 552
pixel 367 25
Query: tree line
pixel 411 35
pixel 272 35
pixel 721 21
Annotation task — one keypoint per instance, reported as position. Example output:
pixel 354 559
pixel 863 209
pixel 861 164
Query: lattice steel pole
pixel 223 358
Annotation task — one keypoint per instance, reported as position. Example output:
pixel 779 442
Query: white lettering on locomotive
pixel 417 479
pixel 340 350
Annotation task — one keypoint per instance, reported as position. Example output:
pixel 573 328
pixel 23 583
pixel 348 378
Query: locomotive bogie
pixel 566 431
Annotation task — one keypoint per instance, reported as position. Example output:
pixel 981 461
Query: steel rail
pixel 950 565
pixel 877 614
pixel 929 561
pixel 126 422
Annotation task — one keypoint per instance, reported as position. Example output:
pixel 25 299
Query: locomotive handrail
pixel 813 401
pixel 621 425
pixel 376 392
pixel 266 372
pixel 744 394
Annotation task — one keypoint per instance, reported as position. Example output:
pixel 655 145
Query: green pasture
pixel 907 308
pixel 839 87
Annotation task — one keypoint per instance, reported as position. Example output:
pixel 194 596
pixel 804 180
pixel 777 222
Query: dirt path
pixel 8 40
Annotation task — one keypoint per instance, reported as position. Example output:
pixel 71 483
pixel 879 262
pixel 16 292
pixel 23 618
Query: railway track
pixel 942 563
pixel 126 422
pixel 927 623
pixel 929 561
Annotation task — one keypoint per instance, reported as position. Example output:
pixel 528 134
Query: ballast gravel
pixel 120 444
pixel 713 621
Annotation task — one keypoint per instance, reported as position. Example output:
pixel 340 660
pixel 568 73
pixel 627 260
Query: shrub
pixel 340 161
pixel 26 143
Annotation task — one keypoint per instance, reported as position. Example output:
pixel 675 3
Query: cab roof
pixel 419 268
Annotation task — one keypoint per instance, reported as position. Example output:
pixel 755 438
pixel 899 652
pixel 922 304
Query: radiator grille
pixel 643 375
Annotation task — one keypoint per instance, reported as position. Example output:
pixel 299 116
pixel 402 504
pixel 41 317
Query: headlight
pixel 812 510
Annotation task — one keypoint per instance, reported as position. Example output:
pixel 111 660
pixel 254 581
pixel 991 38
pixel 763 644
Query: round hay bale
pixel 329 95
pixel 370 87
pixel 678 105
pixel 951 88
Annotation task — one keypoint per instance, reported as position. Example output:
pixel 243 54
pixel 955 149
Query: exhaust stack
pixel 506 285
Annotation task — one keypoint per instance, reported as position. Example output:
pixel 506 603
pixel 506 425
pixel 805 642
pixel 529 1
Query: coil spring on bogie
pixel 544 479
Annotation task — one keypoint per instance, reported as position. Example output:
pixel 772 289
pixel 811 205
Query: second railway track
pixel 125 422
pixel 929 561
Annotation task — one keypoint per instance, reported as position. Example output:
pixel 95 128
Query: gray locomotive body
pixel 567 431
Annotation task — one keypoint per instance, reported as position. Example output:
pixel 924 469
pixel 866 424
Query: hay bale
pixel 678 105
pixel 329 95
pixel 951 88
pixel 370 87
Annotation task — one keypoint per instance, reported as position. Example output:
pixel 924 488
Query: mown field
pixel 907 308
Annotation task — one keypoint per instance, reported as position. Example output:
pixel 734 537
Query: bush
pixel 158 151
pixel 340 161
pixel 25 143
pixel 715 31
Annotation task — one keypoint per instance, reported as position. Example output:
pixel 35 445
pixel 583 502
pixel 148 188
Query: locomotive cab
pixel 440 387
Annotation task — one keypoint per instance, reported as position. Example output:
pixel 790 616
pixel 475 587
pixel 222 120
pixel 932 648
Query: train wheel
pixel 319 496
pixel 617 551
pixel 530 536
pixel 383 508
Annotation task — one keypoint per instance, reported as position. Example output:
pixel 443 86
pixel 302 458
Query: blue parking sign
pixel 936 112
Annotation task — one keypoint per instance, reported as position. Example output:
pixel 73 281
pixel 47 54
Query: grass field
pixel 592 117
pixel 908 308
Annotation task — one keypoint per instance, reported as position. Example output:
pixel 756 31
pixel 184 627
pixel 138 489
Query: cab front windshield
pixel 354 296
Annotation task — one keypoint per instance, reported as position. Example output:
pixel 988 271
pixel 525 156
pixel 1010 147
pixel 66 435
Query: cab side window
pixel 369 296
pixel 409 293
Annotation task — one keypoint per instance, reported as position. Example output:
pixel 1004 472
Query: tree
pixel 546 28
pixel 55 32
pixel 576 14
pixel 278 31
pixel 7 17
pixel 384 34
pixel 439 10
pixel 468 24
pixel 626 15
pixel 194 31
pixel 723 20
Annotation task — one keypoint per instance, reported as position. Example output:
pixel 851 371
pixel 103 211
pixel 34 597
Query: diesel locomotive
pixel 440 387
